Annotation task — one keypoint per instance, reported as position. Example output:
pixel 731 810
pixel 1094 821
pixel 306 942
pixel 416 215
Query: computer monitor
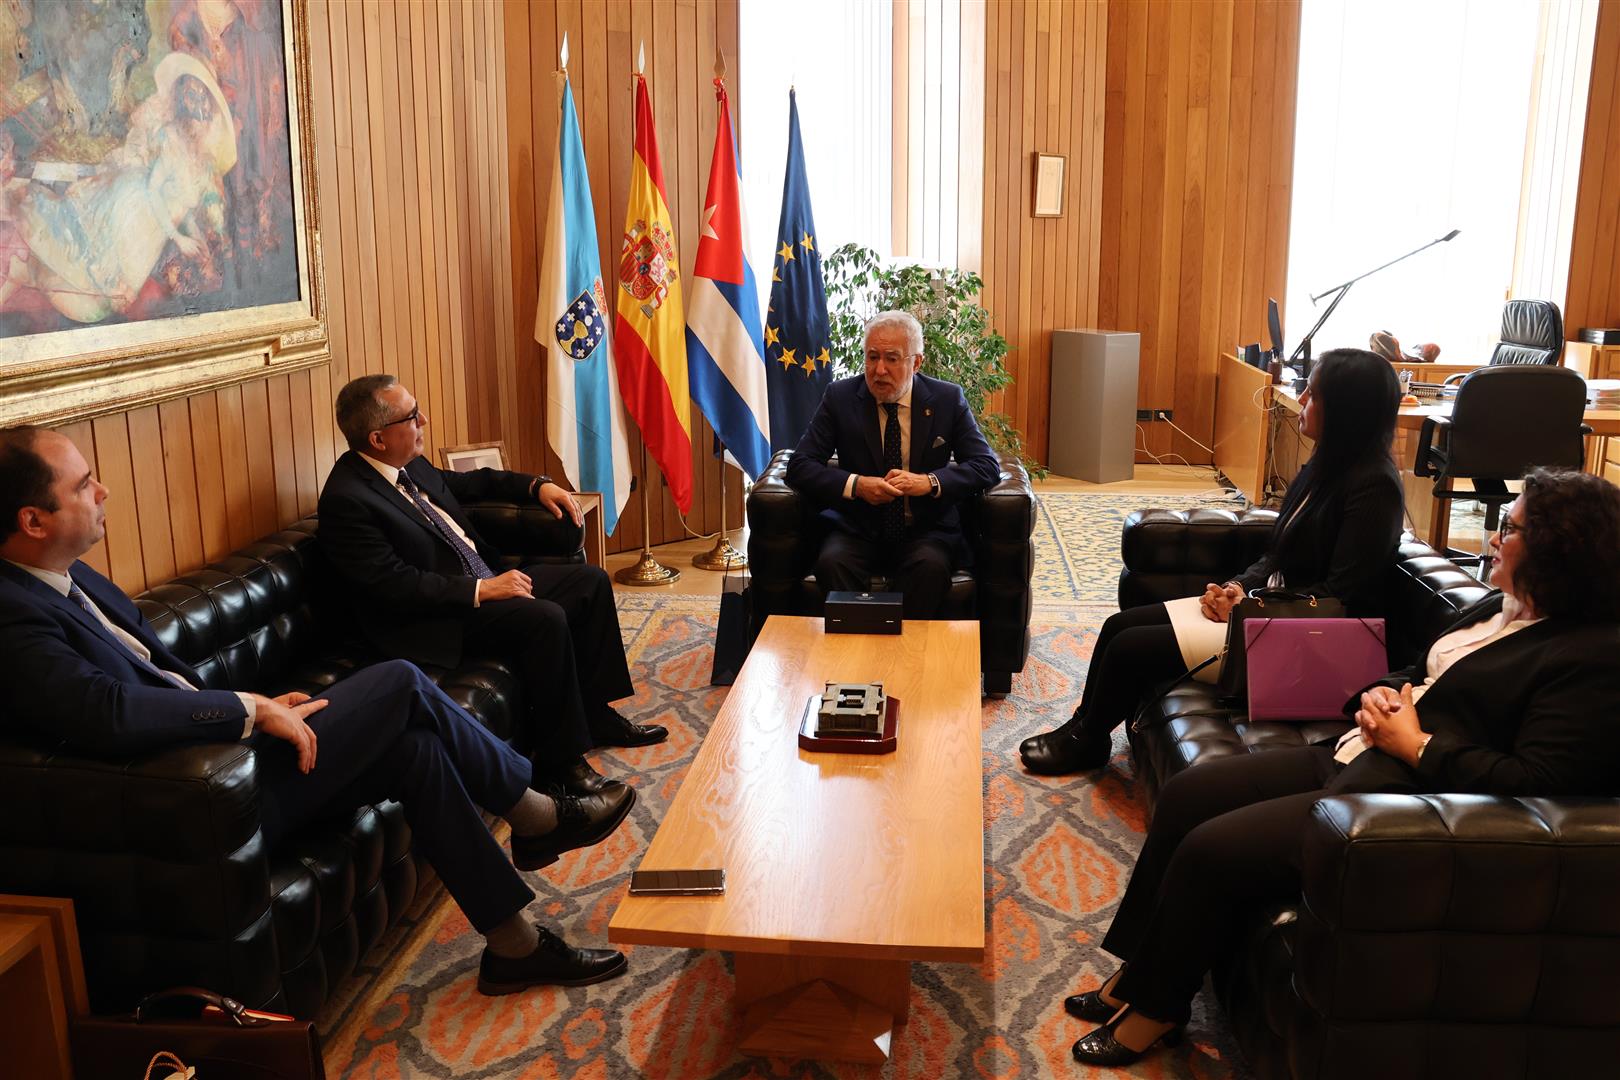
pixel 1275 322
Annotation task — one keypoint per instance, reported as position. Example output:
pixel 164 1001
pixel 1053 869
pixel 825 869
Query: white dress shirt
pixel 62 582
pixel 1443 655
pixel 391 474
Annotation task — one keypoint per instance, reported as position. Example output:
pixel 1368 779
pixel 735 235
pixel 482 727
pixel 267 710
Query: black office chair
pixel 1532 333
pixel 1506 421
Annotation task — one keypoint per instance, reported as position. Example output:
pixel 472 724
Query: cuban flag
pixel 584 413
pixel 725 355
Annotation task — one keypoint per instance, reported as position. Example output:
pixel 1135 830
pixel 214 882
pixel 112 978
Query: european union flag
pixel 798 365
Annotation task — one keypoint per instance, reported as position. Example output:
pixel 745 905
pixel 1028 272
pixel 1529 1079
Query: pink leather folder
pixel 1306 669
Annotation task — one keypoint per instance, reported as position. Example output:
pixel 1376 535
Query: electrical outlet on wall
pixel 1144 415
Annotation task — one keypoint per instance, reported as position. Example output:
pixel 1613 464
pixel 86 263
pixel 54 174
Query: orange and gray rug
pixel 1059 851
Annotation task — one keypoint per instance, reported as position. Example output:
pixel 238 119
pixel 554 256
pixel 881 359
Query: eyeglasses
pixel 1507 528
pixel 412 417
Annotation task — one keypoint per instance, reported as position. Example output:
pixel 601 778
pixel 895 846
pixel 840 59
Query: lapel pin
pixel 928 412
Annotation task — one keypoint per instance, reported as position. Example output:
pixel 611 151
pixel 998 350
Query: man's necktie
pixel 892 515
pixel 471 561
pixel 77 595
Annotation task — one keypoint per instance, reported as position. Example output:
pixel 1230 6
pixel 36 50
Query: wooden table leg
pixel 1440 526
pixel 826 1008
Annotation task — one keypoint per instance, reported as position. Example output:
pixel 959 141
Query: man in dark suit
pixel 393 527
pixel 892 498
pixel 82 667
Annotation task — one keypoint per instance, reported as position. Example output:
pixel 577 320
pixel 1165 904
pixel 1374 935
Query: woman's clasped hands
pixel 1219 600
pixel 1389 721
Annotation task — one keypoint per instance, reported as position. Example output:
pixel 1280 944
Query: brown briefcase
pixel 212 1033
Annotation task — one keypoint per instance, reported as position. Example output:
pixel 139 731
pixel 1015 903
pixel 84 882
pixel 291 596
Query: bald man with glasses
pixel 424 589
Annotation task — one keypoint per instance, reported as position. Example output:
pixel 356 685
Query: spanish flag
pixel 650 328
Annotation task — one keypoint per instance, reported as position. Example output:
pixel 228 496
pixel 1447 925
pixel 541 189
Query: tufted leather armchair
pixel 1436 935
pixel 163 855
pixel 785 532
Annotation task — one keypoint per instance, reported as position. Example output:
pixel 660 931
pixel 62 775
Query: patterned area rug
pixel 1059 852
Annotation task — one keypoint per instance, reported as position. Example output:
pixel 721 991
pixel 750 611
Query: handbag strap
pixel 169 1061
pixel 229 1006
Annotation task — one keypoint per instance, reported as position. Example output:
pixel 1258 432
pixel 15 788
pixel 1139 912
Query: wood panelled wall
pixel 1594 266
pixel 681 38
pixel 1197 175
pixel 1043 88
pixel 407 114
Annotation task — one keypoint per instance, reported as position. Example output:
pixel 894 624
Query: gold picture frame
pixel 89 366
pixel 1048 183
pixel 470 456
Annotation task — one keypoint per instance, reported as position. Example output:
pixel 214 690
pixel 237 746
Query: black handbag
pixel 213 1034
pixel 733 635
pixel 1265 604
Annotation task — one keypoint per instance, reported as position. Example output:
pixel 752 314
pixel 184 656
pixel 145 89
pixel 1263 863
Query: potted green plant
pixel 958 342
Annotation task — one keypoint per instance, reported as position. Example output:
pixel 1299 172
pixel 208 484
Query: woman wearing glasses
pixel 1335 536
pixel 1514 699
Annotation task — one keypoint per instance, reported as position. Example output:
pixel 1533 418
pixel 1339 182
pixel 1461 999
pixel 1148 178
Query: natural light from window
pixel 1411 122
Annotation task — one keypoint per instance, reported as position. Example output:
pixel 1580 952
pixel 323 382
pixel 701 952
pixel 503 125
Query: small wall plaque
pixel 1049 185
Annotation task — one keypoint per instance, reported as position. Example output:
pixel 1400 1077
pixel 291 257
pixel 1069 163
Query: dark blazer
pixel 1341 542
pixel 942 427
pixel 1530 714
pixel 68 680
pixel 409 587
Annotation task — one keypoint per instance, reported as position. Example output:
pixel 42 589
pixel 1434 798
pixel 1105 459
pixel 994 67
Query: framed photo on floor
pixel 484 455
pixel 159 229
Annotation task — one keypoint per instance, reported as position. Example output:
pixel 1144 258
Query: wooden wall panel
pixel 681 37
pixel 1594 268
pixel 1198 166
pixel 1043 93
pixel 411 153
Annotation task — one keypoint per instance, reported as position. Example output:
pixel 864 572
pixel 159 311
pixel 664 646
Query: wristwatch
pixel 539 482
pixel 933 486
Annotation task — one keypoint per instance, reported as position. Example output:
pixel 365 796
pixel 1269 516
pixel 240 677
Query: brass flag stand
pixel 647 570
pixel 722 556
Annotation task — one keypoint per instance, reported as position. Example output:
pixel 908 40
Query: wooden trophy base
pixel 849 744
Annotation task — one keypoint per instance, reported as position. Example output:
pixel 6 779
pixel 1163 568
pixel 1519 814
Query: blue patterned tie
pixel 471 561
pixel 77 595
pixel 892 515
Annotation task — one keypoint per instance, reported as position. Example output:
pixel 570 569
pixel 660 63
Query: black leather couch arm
pixel 527 533
pixel 1499 914
pixel 1000 524
pixel 162 856
pixel 781 528
pixel 1174 553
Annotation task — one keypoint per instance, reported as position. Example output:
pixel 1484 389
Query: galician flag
pixel 649 330
pixel 724 351
pixel 584 416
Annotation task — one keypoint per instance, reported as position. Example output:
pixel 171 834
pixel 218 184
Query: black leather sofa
pixel 785 532
pixel 1436 936
pixel 163 856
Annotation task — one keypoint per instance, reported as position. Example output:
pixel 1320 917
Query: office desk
pixel 1290 453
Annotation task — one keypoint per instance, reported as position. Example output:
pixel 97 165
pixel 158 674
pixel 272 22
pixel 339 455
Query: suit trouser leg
pixel 923 575
pixel 533 635
pixel 585 593
pixel 1136 652
pixel 1224 835
pixel 846 563
pixel 389 733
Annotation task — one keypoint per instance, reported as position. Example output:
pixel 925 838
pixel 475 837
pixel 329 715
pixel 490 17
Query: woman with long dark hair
pixel 1335 535
pixel 1513 699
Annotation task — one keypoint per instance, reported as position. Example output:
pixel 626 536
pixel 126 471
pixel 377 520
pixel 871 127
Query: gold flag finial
pixel 641 59
pixel 719 64
pixel 562 54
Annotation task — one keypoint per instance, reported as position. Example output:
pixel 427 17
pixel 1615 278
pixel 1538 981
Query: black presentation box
pixel 862 612
pixel 1600 336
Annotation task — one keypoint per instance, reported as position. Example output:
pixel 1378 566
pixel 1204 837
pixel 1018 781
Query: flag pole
pixel 647 570
pixel 722 556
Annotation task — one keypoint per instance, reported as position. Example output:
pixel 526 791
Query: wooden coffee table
pixel 841 869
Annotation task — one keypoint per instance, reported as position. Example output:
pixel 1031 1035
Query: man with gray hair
pixel 909 451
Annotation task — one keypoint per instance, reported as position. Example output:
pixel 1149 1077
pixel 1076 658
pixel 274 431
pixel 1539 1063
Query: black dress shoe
pixel 553 963
pixel 610 728
pixel 1067 749
pixel 1090 1006
pixel 1101 1048
pixel 578 778
pixel 582 820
